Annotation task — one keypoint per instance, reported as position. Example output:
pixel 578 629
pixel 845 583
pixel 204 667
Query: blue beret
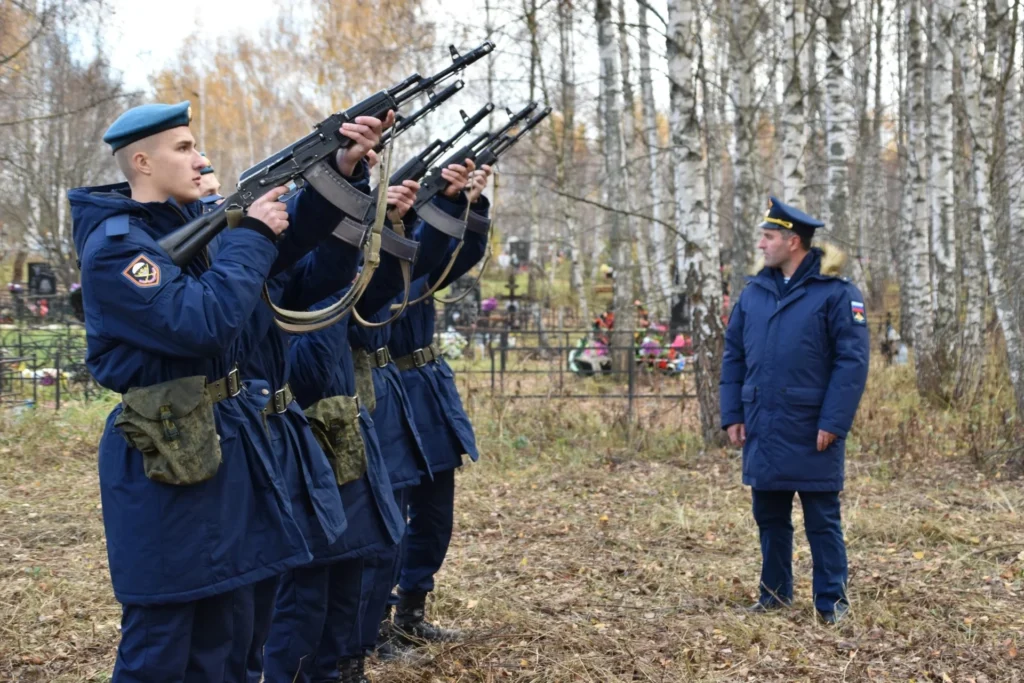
pixel 206 169
pixel 780 215
pixel 149 119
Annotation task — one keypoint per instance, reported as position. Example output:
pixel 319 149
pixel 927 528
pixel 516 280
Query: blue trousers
pixel 184 643
pixel 342 634
pixel 431 515
pixel 380 575
pixel 264 597
pixel 823 525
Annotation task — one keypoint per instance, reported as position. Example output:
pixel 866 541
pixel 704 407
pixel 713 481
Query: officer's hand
pixel 365 132
pixel 737 434
pixel 372 159
pixel 825 439
pixel 270 211
pixel 457 176
pixel 477 182
pixel 402 197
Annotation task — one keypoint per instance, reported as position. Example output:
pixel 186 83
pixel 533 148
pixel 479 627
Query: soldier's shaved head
pixel 162 166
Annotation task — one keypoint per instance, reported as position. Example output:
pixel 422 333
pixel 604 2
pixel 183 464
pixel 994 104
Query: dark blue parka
pixel 322 368
pixel 169 543
pixel 393 417
pixel 314 497
pixel 795 362
pixel 445 431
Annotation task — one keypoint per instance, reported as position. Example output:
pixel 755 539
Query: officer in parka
pixel 793 372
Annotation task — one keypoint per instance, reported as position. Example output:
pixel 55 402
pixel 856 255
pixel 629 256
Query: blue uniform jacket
pixel 445 430
pixel 321 368
pixel 263 353
pixel 393 418
pixel 149 321
pixel 794 363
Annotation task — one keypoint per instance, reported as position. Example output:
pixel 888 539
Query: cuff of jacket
pixel 833 428
pixel 481 206
pixel 452 206
pixel 259 226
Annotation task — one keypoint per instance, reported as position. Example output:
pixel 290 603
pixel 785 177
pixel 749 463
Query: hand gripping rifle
pixel 308 160
pixel 489 157
pixel 395 242
pixel 434 184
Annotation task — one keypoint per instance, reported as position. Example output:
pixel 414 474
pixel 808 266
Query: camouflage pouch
pixel 172 424
pixel 335 424
pixel 364 379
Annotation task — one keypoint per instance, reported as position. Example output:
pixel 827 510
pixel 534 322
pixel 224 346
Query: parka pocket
pixel 335 424
pixel 172 424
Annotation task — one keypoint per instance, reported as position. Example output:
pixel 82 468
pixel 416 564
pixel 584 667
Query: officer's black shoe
pixel 834 616
pixel 413 627
pixel 765 606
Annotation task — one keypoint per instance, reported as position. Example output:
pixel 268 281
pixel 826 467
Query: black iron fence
pixel 568 364
pixel 43 365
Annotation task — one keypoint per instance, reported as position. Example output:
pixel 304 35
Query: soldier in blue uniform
pixel 192 506
pixel 392 415
pixel 209 185
pixel 316 624
pixel 314 498
pixel 445 431
pixel 793 372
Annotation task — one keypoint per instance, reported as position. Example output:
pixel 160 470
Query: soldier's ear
pixel 142 164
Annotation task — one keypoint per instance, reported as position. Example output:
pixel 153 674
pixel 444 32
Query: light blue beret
pixel 149 119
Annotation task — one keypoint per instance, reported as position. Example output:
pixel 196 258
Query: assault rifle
pixel 434 183
pixel 307 159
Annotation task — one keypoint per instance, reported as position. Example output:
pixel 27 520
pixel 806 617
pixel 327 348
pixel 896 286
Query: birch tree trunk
pixel 746 193
pixel 701 274
pixel 629 126
pixel 943 224
pixel 662 280
pixel 794 117
pixel 917 225
pixel 619 242
pixel 981 114
pixel 839 117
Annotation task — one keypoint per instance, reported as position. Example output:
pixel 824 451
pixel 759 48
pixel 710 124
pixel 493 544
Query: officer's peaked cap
pixel 781 216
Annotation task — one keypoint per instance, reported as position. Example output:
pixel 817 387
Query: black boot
pixel 410 621
pixel 352 670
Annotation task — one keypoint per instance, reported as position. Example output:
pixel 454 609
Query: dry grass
pixel 583 553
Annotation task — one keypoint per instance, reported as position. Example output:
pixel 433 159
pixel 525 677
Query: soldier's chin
pixel 189 195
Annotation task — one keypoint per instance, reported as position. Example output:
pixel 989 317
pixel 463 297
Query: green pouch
pixel 172 424
pixel 335 424
pixel 364 379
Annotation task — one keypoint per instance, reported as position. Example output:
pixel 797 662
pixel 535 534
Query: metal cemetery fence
pixel 43 364
pixel 564 364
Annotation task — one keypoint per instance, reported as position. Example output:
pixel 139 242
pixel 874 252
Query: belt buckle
pixel 279 405
pixel 419 358
pixel 382 357
pixel 234 385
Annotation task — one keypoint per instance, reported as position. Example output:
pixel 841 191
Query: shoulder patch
pixel 142 272
pixel 859 314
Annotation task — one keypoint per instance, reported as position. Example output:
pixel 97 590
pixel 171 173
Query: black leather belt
pixel 419 358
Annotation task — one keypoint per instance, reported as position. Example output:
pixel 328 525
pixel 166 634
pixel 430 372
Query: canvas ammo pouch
pixel 364 380
pixel 173 425
pixel 335 424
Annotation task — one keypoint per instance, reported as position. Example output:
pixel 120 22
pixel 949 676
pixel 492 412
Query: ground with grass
pixel 590 550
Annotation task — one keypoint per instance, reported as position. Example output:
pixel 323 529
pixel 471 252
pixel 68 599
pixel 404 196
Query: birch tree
pixel 794 117
pixel 746 193
pixel 943 223
pixel 660 255
pixel 839 116
pixel 980 107
pixel 917 223
pixel 700 263
pixel 619 242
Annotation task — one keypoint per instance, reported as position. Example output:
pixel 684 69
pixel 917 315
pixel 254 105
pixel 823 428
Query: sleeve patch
pixel 859 315
pixel 142 272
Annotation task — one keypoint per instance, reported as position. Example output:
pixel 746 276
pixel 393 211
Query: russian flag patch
pixel 859 316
